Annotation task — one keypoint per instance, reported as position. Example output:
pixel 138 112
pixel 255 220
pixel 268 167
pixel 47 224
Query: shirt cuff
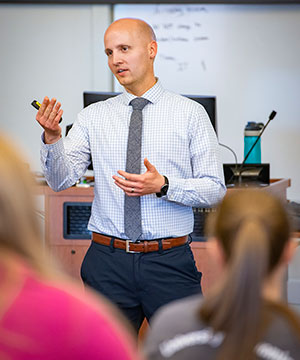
pixel 53 151
pixel 175 191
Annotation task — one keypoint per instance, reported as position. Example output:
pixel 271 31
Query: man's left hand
pixel 140 184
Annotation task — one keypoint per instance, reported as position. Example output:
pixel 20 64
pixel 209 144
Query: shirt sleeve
pixel 65 161
pixel 206 187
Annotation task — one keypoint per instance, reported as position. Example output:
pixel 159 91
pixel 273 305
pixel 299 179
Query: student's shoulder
pixel 179 312
pixel 283 332
pixel 177 317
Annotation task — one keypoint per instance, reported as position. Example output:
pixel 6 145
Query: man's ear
pixel 152 49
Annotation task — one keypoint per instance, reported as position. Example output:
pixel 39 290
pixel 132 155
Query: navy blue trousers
pixel 140 283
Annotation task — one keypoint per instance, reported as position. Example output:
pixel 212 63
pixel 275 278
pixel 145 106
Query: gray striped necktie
pixel 132 206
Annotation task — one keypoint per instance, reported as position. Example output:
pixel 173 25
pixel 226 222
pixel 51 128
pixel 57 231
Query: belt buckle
pixel 127 247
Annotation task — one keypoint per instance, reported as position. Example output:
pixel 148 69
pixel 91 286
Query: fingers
pixel 126 184
pixel 149 166
pixel 143 184
pixel 48 117
pixel 128 176
pixel 136 177
pixel 132 193
pixel 54 113
pixel 58 116
pixel 130 189
pixel 49 113
pixel 43 106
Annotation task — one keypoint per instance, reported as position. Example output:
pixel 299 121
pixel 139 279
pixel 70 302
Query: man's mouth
pixel 120 71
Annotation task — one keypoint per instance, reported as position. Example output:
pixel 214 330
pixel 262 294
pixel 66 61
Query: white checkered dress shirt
pixel 178 139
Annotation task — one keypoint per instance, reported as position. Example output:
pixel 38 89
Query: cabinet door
pixel 70 257
pixel 205 263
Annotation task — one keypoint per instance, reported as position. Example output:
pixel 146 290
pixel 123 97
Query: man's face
pixel 130 56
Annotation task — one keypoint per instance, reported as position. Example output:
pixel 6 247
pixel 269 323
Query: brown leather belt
pixel 144 246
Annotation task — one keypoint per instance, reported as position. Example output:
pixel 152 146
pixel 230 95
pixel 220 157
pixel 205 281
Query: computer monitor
pixel 209 102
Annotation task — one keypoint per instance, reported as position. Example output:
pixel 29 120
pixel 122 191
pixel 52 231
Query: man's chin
pixel 122 82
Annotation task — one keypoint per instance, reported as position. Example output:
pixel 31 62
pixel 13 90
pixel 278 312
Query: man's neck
pixel 141 90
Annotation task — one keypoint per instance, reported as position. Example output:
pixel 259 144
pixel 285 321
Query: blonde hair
pixel 19 226
pixel 252 228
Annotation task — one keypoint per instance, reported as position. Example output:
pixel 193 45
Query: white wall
pixel 53 50
pixel 293 285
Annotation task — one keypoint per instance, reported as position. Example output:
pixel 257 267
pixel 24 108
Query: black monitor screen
pixel 90 97
pixel 209 102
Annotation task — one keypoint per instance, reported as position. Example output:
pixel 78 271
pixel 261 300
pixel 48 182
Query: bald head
pixel 131 48
pixel 138 26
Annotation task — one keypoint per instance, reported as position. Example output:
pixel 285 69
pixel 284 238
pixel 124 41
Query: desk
pixel 70 252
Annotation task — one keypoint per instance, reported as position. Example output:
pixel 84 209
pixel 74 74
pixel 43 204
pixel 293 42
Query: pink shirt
pixel 44 321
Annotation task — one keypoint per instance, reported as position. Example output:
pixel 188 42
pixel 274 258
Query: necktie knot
pixel 138 103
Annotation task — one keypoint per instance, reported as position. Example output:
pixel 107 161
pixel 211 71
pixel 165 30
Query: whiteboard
pixel 222 49
pixel 248 56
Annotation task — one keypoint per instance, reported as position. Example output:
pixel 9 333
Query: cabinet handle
pixel 73 252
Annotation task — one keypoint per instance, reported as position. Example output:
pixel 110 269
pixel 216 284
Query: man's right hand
pixel 48 117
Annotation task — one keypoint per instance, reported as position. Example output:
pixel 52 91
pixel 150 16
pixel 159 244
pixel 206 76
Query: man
pixel 145 261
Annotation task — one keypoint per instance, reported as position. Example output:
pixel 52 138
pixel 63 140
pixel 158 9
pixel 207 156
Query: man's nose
pixel 116 59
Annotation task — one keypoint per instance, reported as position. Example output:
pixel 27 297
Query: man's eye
pixel 108 53
pixel 125 48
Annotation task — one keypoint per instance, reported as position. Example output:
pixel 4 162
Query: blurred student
pixel 43 316
pixel 243 316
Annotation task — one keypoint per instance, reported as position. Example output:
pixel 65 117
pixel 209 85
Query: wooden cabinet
pixel 70 257
pixel 68 251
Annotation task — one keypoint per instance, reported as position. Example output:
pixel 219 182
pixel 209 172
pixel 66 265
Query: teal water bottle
pixel 252 131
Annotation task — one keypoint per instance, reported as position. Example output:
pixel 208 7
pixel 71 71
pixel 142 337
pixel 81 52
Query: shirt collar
pixel 153 94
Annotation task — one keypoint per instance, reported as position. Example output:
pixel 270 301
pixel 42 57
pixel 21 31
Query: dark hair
pixel 253 228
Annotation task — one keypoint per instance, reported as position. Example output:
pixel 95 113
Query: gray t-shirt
pixel 177 333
